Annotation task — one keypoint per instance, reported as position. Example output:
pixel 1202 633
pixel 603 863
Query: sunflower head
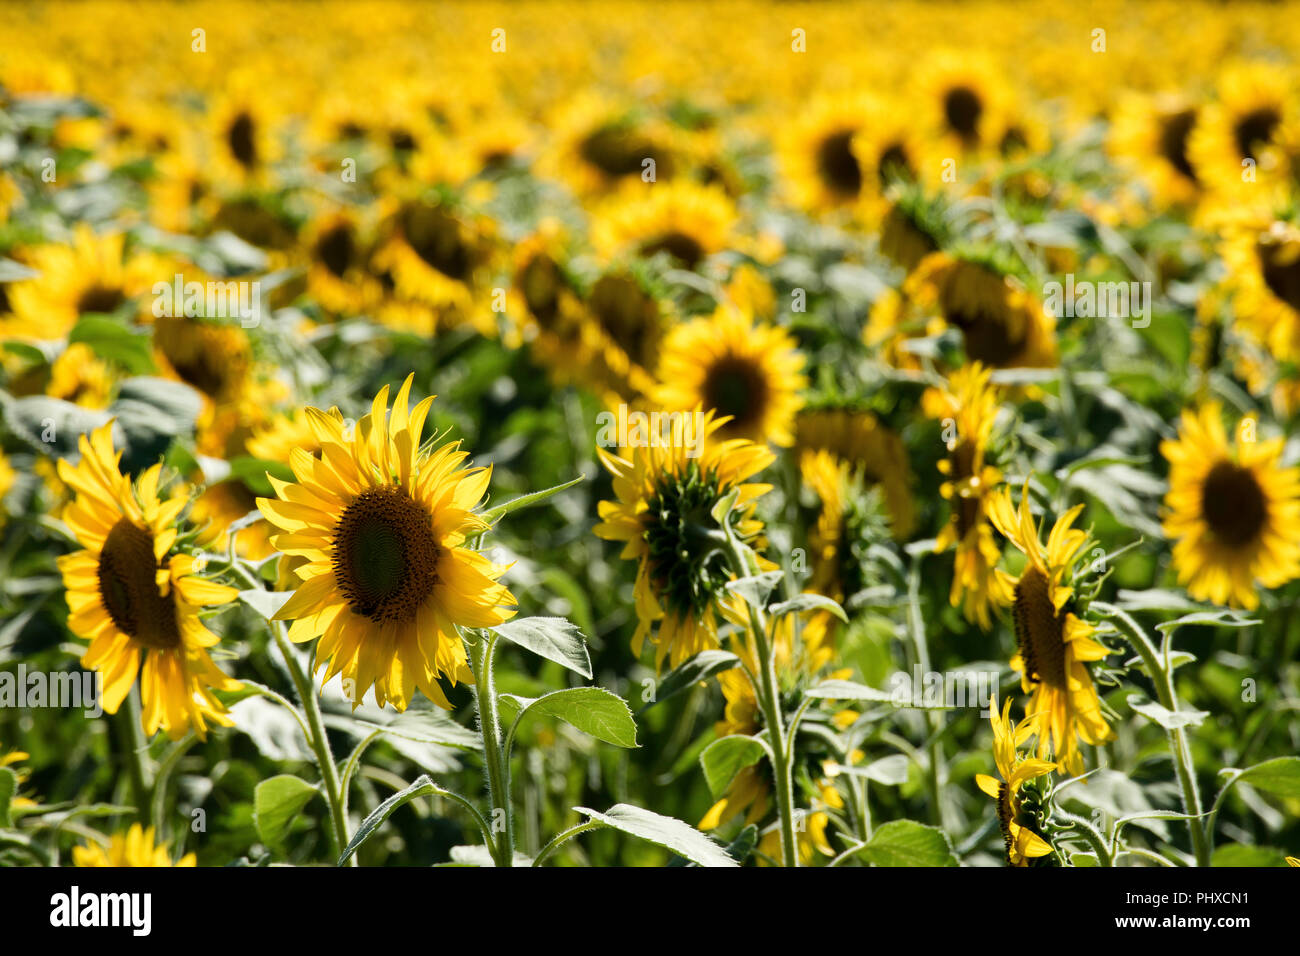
pixel 1053 641
pixel 1231 510
pixel 666 513
pixel 135 847
pixel 748 373
pixel 389 574
pixel 135 598
pixel 1023 844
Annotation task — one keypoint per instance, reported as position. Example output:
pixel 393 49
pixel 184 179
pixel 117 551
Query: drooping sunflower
pixel 687 221
pixel 747 372
pixel 969 407
pixel 1054 643
pixel 1002 323
pixel 1233 510
pixel 389 574
pixel 135 847
pixel 665 493
pixel 134 599
pixel 1022 843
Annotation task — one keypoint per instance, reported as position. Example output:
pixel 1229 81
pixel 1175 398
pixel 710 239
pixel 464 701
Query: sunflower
pixel 337 276
pixel 220 505
pixel 625 332
pixel 242 135
pixel 212 356
pixel 969 406
pixel 687 221
pixel 665 495
pixel 1233 512
pixel 1002 324
pixel 747 372
pixel 135 847
pixel 1263 260
pixel 11 759
pixel 1150 133
pixel 832 155
pixel 873 452
pixel 80 377
pixel 1022 843
pixel 749 790
pixel 544 299
pixel 1256 101
pixel 90 274
pixel 1054 643
pixel 133 598
pixel 910 230
pixel 600 142
pixel 390 577
pixel 965 101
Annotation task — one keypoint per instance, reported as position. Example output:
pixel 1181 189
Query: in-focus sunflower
pixel 1233 511
pixel 1002 324
pixel 665 495
pixel 1054 644
pixel 384 530
pixel 969 407
pixel 132 598
pixel 749 373
pixel 1022 843
pixel 135 847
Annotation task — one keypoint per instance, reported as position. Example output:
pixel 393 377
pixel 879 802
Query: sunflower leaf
pixel 726 757
pixel 265 603
pixel 276 803
pixel 668 832
pixel 691 671
pixel 809 602
pixel 1279 776
pixel 553 638
pixel 908 843
pixel 757 588
pixel 1166 718
pixel 848 690
pixel 422 786
pixel 493 515
pixel 593 710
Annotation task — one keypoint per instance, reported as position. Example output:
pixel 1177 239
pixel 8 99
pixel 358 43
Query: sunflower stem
pixel 770 701
pixel 135 747
pixel 1177 736
pixel 319 742
pixel 481 653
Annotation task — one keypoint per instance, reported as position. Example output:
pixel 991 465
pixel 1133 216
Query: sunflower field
pixel 650 434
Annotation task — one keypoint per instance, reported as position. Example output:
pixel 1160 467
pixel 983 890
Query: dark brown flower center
pixel 1006 815
pixel 539 281
pixel 962 109
pixel 1254 128
pixel 240 137
pixel 1040 630
pixel 1233 504
pixel 629 315
pixel 837 166
pixel 336 249
pixel 618 151
pixel 993 336
pixel 680 246
pixel 439 240
pixel 100 298
pixel 385 556
pixel 965 508
pixel 735 386
pixel 1279 263
pixel 1174 131
pixel 129 589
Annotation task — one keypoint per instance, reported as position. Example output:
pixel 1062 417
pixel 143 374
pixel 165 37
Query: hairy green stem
pixel 503 849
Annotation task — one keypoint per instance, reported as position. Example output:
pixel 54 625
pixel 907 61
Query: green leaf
pixel 691 671
pixel 553 638
pixel 423 786
pixel 908 843
pixel 265 603
pixel 12 271
pixel 116 343
pixel 49 425
pixel 1166 718
pixel 1156 599
pixel 1239 854
pixel 1218 617
pixel 276 801
pixel 593 710
pixel 493 515
pixel 682 838
pixel 1279 776
pixel 809 602
pixel 757 588
pixel 726 757
pixel 8 787
pixel 848 690
pixel 152 412
pixel 891 770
